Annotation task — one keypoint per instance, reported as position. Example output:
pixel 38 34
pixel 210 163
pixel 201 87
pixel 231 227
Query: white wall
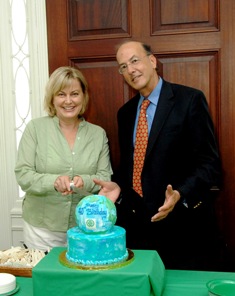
pixel 10 203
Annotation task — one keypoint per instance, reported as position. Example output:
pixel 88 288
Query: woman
pixel 56 151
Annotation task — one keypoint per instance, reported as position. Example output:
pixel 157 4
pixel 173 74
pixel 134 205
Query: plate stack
pixel 7 283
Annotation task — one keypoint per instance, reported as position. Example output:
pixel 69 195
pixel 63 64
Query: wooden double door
pixel 193 41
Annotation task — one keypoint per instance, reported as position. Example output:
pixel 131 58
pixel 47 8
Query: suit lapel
pixel 131 117
pixel 126 126
pixel 164 107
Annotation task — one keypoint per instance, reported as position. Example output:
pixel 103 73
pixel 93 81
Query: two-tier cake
pixel 96 241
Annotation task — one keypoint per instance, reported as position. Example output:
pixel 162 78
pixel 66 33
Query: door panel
pixel 199 71
pixel 84 24
pixel 194 42
pixel 176 16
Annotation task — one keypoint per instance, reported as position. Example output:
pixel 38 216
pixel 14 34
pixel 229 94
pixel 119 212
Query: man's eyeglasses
pixel 134 62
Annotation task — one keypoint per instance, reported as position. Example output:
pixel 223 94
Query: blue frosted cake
pixel 96 241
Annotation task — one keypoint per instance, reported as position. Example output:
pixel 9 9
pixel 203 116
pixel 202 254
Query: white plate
pixel 11 292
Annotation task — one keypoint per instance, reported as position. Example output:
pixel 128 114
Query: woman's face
pixel 69 101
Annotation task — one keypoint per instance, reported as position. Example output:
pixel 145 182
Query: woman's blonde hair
pixel 60 79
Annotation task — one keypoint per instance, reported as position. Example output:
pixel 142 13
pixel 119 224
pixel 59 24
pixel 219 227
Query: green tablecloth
pixel 177 282
pixel 26 286
pixel 144 276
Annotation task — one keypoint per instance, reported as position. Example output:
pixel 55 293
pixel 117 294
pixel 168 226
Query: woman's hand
pixel 78 182
pixel 62 185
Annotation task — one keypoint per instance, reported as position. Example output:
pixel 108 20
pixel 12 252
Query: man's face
pixel 137 68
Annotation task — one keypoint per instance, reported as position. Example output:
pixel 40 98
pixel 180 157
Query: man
pixel 173 212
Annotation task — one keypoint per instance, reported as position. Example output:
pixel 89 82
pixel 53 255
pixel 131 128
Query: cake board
pixel 63 260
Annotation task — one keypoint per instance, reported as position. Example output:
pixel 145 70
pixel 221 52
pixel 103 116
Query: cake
pixel 96 241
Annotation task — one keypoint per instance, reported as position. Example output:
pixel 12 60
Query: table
pixel 144 276
pixel 177 282
pixel 191 283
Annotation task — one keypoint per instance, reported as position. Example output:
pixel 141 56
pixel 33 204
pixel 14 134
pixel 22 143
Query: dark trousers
pixel 186 239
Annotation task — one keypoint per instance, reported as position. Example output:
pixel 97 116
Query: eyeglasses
pixel 134 62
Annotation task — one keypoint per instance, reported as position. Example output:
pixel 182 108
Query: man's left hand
pixel 171 198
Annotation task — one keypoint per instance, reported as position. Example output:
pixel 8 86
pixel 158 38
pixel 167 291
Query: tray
pixel 17 271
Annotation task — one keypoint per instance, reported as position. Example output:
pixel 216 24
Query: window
pixel 20 64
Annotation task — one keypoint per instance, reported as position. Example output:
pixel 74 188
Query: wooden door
pixel 194 43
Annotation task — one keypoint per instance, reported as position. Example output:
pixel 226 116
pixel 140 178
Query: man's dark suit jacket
pixel 182 151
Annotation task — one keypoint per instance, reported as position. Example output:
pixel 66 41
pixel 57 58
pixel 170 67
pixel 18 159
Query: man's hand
pixel 171 198
pixel 109 189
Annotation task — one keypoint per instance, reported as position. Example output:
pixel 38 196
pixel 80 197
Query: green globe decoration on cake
pixel 95 214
